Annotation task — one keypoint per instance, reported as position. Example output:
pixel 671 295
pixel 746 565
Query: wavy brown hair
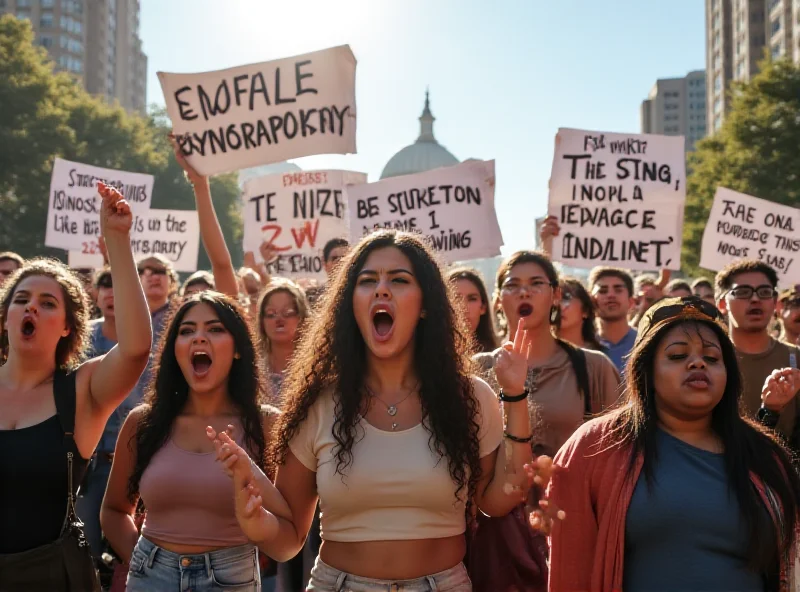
pixel 70 349
pixel 331 356
pixel 168 390
pixel 296 293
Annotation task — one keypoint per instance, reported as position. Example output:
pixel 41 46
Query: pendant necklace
pixel 391 409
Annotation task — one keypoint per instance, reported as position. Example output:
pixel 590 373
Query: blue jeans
pixel 153 569
pixel 325 578
pixel 88 504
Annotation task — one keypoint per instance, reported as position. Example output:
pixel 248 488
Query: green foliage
pixel 756 151
pixel 45 115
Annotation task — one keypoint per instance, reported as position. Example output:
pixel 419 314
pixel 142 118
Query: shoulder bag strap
pixel 65 393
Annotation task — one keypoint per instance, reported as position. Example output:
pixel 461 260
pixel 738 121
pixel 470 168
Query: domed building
pixel 424 154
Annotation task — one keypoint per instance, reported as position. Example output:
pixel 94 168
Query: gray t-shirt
pixel 686 533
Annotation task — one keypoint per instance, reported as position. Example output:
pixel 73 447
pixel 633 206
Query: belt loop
pixel 151 556
pixel 207 558
pixel 432 583
pixel 340 579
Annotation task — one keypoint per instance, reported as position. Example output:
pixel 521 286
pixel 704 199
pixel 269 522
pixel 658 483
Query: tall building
pixel 97 41
pixel 677 107
pixel 739 34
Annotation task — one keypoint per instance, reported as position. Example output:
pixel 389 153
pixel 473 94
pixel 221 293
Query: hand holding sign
pixel 115 212
pixel 191 174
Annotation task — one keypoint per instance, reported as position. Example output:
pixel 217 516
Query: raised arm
pixel 210 230
pixel 111 377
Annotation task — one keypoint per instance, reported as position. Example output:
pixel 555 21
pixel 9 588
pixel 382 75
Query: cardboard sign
pixel 73 215
pixel 297 213
pixel 264 113
pixel 619 199
pixel 741 226
pixel 452 207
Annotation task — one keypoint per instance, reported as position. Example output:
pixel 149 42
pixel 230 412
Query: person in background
pixel 746 294
pixel 646 292
pixel 102 338
pixel 282 313
pixel 222 270
pixel 704 290
pixel 332 254
pixel 199 281
pixel 612 292
pixel 9 263
pixel 475 305
pixel 789 315
pixel 675 490
pixel 575 322
pixel 54 408
pixel 207 380
pixel 678 288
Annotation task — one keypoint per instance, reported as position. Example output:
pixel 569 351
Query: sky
pixel 503 75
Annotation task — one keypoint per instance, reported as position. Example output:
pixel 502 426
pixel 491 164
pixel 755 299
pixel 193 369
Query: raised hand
pixel 549 228
pixel 115 212
pixel 269 253
pixel 191 174
pixel 511 362
pixel 257 524
pixel 780 388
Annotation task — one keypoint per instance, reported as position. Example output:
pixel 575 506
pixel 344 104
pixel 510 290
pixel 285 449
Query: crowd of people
pixel 401 427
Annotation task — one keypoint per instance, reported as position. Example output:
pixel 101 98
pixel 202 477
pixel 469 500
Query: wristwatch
pixel 767 417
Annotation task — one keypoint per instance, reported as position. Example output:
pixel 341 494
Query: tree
pixel 757 151
pixel 47 115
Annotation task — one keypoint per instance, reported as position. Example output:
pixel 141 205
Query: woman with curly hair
pixel 207 374
pixel 282 314
pixel 474 300
pixel 55 408
pixel 384 424
pixel 676 490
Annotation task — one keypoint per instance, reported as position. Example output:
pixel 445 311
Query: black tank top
pixel 33 474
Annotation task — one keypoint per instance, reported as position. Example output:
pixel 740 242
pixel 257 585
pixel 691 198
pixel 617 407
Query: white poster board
pixel 452 207
pixel 73 214
pixel 619 199
pixel 257 114
pixel 741 226
pixel 297 213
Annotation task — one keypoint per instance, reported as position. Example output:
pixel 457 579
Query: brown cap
pixel 673 310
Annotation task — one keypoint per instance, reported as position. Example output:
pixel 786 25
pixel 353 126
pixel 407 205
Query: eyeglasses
pixel 289 313
pixel 105 282
pixel 764 292
pixel 535 287
pixel 153 270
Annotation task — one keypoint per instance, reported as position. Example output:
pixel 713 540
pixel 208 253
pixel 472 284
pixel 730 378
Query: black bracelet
pixel 767 417
pixel 520 440
pixel 513 398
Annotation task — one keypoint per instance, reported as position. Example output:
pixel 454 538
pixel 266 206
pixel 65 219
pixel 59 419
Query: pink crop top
pixel 395 488
pixel 189 499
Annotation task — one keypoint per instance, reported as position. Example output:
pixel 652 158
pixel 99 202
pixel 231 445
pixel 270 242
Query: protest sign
pixel 452 207
pixel 81 260
pixel 174 234
pixel 246 116
pixel 297 213
pixel 619 199
pixel 73 215
pixel 741 226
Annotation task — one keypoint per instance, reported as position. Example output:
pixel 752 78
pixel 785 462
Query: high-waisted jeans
pixel 154 569
pixel 325 578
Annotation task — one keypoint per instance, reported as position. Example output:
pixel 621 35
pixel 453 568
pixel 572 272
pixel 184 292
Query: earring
pixel 553 315
pixel 236 356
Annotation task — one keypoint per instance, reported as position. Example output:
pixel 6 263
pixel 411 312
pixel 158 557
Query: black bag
pixel 66 564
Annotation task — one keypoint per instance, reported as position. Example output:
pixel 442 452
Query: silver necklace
pixel 391 409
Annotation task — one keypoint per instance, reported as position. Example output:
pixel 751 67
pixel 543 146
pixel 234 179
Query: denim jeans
pixel 153 569
pixel 89 501
pixel 325 578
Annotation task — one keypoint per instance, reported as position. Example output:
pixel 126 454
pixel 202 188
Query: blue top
pixel 114 424
pixel 686 533
pixel 619 352
pixel 100 345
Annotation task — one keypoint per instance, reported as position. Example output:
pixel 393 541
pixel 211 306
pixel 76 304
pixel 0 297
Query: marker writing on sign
pixel 403 202
pixel 132 193
pixel 575 247
pixel 172 248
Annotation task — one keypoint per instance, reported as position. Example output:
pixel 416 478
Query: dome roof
pixel 424 154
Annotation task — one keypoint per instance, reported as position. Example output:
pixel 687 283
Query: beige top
pixel 556 407
pixel 396 488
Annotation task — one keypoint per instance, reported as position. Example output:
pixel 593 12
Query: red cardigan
pixel 587 548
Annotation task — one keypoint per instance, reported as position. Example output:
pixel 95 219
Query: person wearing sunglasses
pixel 746 294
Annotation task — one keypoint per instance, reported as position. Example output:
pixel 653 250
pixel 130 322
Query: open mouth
pixel 755 312
pixel 382 322
pixel 28 328
pixel 201 363
pixel 525 309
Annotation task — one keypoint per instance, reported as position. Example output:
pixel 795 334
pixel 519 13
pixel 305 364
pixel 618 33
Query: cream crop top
pixel 396 488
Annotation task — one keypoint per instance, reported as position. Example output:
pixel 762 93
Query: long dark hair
pixel 70 349
pixel 748 447
pixel 168 390
pixel 574 287
pixel 332 355
pixel 485 334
